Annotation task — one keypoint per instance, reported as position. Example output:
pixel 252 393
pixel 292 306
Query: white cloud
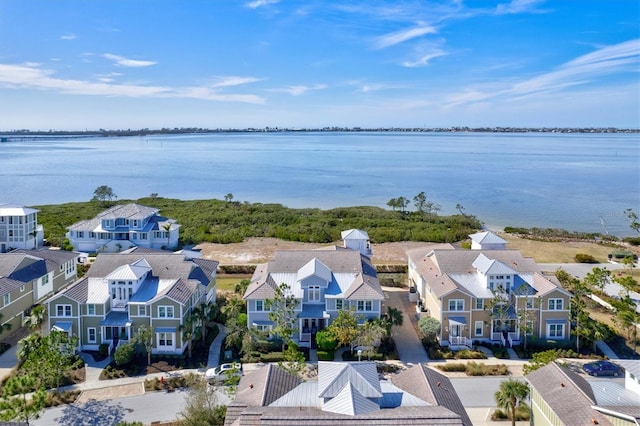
pixel 31 76
pixel 260 3
pixel 124 62
pixel 424 59
pixel 68 36
pixel 403 35
pixel 298 90
pixel 519 6
pixel 619 58
pixel 229 81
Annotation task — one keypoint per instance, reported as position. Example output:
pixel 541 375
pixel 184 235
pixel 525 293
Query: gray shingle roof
pixel 432 387
pixel 7 285
pixel 568 394
pixel 350 272
pixel 124 211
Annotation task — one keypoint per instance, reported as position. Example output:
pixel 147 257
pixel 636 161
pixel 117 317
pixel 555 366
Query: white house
pixel 122 227
pixel 19 228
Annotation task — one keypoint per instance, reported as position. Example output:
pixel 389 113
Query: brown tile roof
pixel 567 394
pixel 432 387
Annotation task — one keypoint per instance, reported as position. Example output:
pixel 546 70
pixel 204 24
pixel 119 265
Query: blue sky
pixel 235 64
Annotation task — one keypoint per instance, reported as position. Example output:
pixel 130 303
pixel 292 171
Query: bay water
pixel 579 182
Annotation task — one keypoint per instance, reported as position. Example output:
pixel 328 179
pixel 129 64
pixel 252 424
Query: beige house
pixel 121 292
pixel 27 277
pixel 461 288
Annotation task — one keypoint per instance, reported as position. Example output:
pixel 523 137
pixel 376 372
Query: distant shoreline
pixel 24 134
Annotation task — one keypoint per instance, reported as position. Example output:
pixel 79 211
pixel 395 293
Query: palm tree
pixel 36 317
pixel 233 307
pixel 167 228
pixel 241 287
pixel 511 394
pixel 187 333
pixel 27 345
pixel 202 315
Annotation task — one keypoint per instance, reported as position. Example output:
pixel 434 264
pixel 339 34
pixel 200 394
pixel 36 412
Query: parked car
pixel 219 375
pixel 602 368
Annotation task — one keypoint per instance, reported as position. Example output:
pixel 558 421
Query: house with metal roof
pixel 19 228
pixel 123 291
pixel 487 241
pixel 345 393
pixel 561 396
pixel 122 227
pixel 324 281
pixel 28 277
pixel 494 295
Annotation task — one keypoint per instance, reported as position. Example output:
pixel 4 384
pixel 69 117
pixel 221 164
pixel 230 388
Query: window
pixel 264 328
pixel 314 294
pixel 91 334
pixel 529 303
pixel 7 299
pixel 63 310
pixel 45 279
pixel 80 234
pixel 556 304
pixel 165 340
pixel 529 328
pixel 91 309
pixel 339 304
pixel 142 236
pixel 165 311
pixel 142 310
pixel 260 305
pixel 479 326
pixel 365 305
pixel 456 305
pixel 555 331
pixel 479 304
pixel 22 288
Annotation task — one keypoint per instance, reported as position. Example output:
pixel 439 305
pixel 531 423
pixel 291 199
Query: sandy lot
pixel 259 250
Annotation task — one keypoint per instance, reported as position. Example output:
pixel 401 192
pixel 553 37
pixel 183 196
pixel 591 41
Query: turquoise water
pixel 580 182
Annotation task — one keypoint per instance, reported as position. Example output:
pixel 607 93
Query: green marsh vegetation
pixel 226 221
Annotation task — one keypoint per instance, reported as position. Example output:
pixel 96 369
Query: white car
pixel 224 372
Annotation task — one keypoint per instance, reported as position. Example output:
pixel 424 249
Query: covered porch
pixel 457 332
pixel 312 319
pixel 115 328
pixel 505 327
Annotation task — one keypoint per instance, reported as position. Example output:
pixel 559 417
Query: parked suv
pixel 223 373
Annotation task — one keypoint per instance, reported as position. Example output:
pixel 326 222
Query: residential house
pixel 324 281
pixel 122 227
pixel 27 277
pixel 19 228
pixel 487 241
pixel 560 396
pixel 345 394
pixel 490 295
pixel 121 292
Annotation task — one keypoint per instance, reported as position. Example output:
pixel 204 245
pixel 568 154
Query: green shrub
pixel 124 354
pixel 272 357
pixel 469 354
pixel 326 355
pixel 585 258
pixel 458 367
pixel 103 350
pixel 326 341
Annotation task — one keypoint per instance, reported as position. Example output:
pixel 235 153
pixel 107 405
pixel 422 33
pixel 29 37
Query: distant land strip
pixel 24 134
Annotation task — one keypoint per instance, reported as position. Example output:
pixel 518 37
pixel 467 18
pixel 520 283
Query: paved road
pixel 147 408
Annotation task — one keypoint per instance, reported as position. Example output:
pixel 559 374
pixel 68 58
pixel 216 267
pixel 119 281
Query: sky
pixel 88 65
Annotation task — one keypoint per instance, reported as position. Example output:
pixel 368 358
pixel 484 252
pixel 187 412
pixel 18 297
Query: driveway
pixel 410 349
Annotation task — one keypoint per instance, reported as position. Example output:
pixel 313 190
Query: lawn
pixel 228 282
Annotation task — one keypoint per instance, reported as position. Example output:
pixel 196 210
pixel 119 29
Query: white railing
pixel 305 337
pixel 459 341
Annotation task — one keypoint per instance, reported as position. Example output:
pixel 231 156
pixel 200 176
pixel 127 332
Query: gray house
pixel 346 393
pixel 121 292
pixel 27 277
pixel 324 281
